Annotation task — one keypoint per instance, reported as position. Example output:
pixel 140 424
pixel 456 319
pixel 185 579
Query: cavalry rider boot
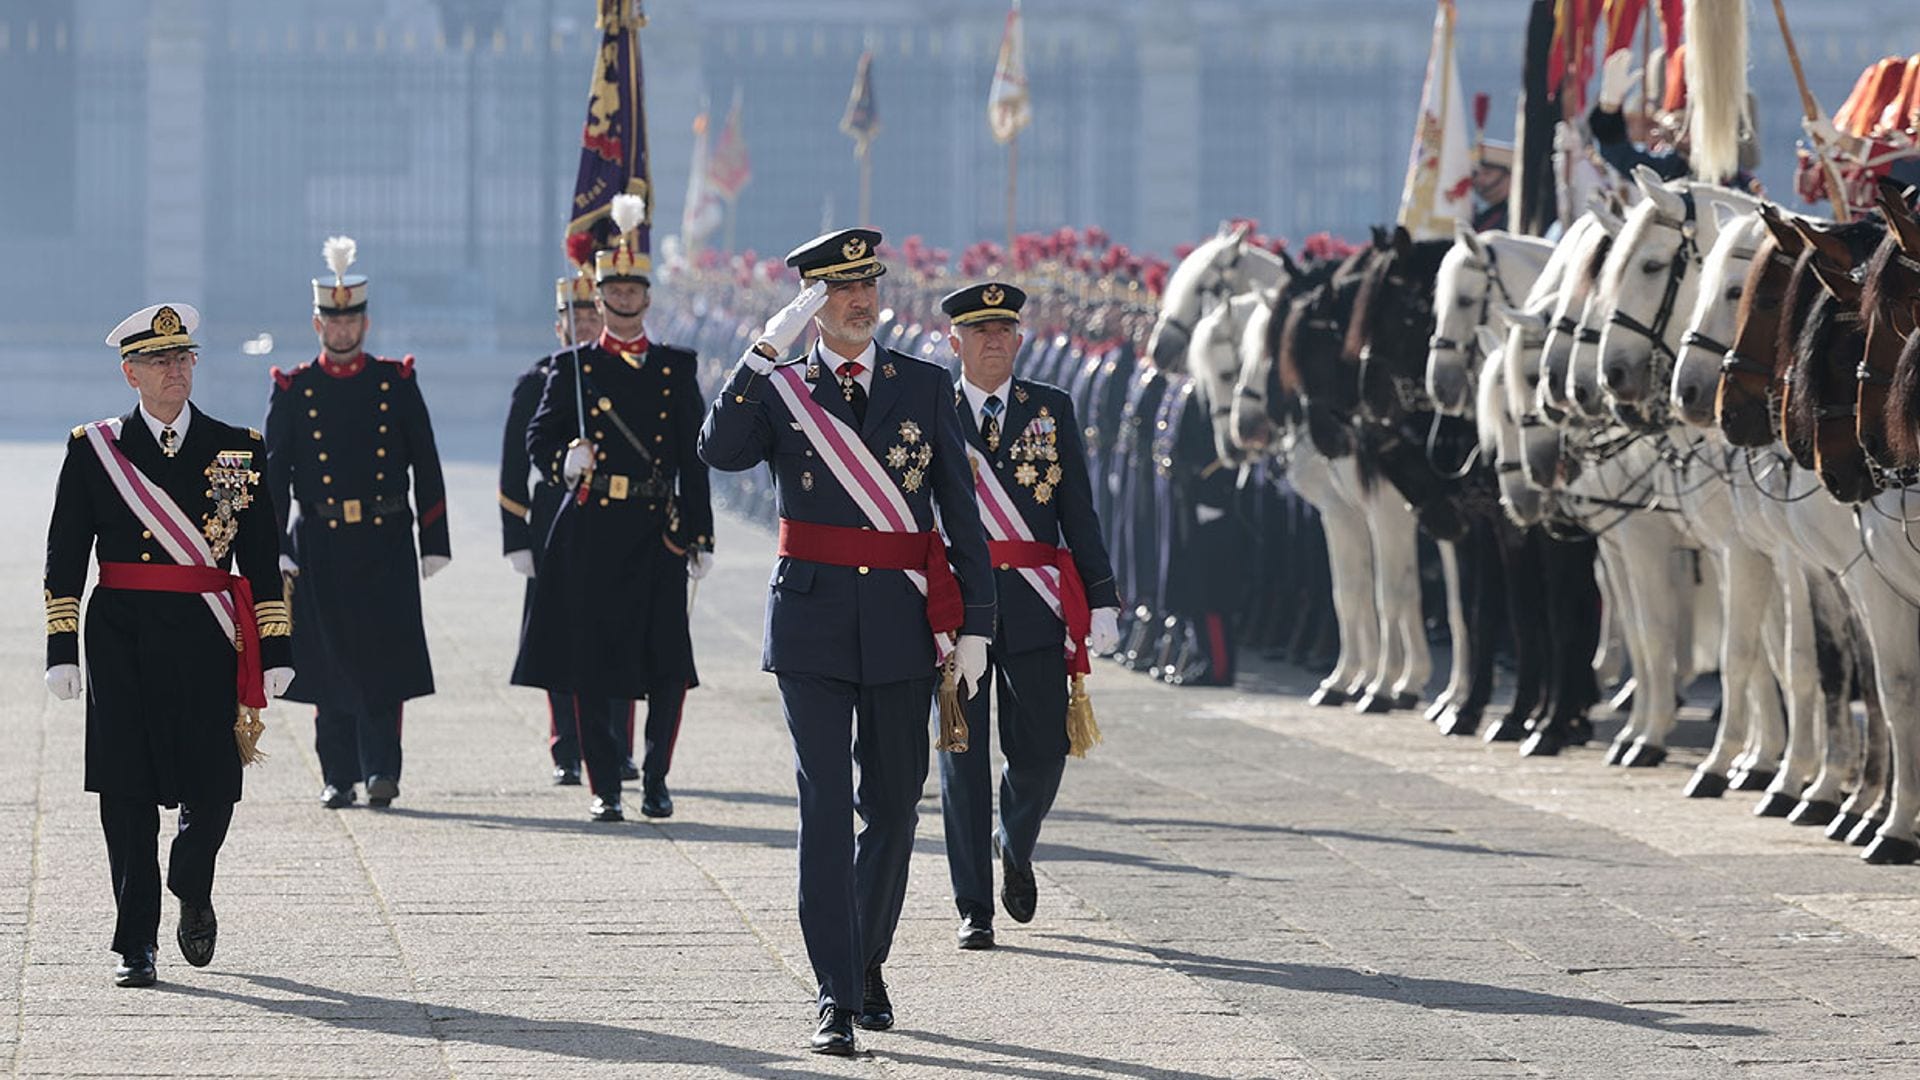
pixel 136 969
pixel 835 1033
pixel 655 802
pixel 876 1009
pixel 607 810
pixel 1018 892
pixel 565 776
pixel 381 791
pixel 198 932
pixel 336 798
pixel 975 933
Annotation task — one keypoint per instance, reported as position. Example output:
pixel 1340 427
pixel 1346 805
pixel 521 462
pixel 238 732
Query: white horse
pixel 1223 266
pixel 1482 273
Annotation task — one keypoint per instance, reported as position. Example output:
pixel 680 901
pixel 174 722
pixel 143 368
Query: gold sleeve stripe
pixel 514 508
pixel 63 614
pixel 273 618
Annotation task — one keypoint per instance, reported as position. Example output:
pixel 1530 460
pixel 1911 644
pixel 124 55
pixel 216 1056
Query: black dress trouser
pixel 132 828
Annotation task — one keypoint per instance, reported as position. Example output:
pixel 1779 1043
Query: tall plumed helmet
pixel 628 259
pixel 345 293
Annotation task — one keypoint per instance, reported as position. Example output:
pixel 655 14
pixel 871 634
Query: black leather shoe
pixel 629 771
pixel 199 931
pixel 974 933
pixel 607 810
pixel 136 969
pixel 335 798
pixel 835 1033
pixel 654 800
pixel 566 777
pixel 876 1010
pixel 381 791
pixel 1018 893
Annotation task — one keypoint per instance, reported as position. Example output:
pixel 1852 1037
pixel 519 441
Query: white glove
pixel 278 679
pixel 64 681
pixel 1208 514
pixel 789 321
pixel 1104 634
pixel 288 566
pixel 579 460
pixel 698 563
pixel 970 663
pixel 521 561
pixel 1616 78
pixel 432 564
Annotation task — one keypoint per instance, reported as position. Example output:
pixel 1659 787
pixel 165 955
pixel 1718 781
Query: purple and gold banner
pixel 613 144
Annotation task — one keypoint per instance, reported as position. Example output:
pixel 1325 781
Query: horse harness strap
pixel 1688 253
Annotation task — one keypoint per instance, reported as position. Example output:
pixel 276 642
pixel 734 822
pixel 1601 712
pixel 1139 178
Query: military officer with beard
pixel 181 652
pixel 1055 588
pixel 615 431
pixel 345 434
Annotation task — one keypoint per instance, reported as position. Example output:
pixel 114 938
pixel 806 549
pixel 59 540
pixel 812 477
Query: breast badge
pixel 1038 444
pixel 912 455
pixel 806 481
pixel 230 479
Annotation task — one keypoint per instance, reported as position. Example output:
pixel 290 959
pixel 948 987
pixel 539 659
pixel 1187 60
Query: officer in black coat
pixel 1026 434
pixel 169 499
pixel 345 433
pixel 608 622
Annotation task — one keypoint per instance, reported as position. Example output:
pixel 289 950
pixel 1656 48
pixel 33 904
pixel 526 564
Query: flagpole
pixel 1812 109
pixel 1013 180
pixel 866 183
pixel 732 205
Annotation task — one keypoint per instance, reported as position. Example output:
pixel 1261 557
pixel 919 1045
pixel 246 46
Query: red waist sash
pixel 145 577
pixel 1032 555
pixel 837 545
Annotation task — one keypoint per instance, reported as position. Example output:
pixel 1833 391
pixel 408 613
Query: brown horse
pixel 1828 347
pixel 1752 377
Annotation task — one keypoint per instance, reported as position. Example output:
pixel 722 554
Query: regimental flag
pixel 862 119
pixel 1623 21
pixel 729 170
pixel 1008 109
pixel 1575 23
pixel 1439 186
pixel 613 144
pixel 702 213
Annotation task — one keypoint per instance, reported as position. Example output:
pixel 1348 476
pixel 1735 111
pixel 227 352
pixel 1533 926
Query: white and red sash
pixel 171 527
pixel 1005 522
pixel 859 473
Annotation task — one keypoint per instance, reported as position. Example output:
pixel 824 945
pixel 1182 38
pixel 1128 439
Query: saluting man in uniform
pixel 528 503
pixel 608 622
pixel 1055 587
pixel 345 433
pixel 180 651
pixel 864 443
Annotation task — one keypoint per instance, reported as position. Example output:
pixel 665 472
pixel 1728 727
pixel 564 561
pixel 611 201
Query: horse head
pixel 1585 258
pixel 1213 358
pixel 1890 306
pixel 1753 374
pixel 1391 324
pixel 1704 347
pixel 1827 343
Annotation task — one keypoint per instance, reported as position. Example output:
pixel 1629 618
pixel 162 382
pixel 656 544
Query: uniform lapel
pixel 882 393
pixel 1015 418
pixel 969 420
pixel 826 391
pixel 136 441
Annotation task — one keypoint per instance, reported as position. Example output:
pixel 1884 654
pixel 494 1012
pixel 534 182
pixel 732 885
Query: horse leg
pixel 1574 618
pixel 1349 571
pixel 1612 667
pixel 1460 646
pixel 1837 647
pixel 1893 628
pixel 1396 592
pixel 1489 604
pixel 1743 590
pixel 1866 808
pixel 1655 621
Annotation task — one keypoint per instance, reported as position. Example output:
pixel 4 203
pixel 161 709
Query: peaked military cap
pixel 344 293
pixel 156 329
pixel 847 255
pixel 984 302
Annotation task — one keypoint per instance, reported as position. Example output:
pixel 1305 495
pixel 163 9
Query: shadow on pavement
pixel 1290 830
pixel 636 828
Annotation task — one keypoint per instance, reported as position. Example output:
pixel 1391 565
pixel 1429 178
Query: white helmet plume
pixel 339 252
pixel 628 212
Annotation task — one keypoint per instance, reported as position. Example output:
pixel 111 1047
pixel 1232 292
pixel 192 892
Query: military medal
pixel 231 478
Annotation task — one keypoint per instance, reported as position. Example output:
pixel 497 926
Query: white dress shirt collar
pixel 179 424
pixel 832 360
pixel 977 398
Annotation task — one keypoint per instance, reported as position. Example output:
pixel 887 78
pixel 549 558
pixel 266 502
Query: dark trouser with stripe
pixel 1033 735
pixel 851 889
pixel 132 828
pixel 357 746
pixel 664 705
pixel 563 729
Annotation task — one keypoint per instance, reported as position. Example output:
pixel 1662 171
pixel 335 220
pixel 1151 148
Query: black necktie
pixel 850 389
pixel 169 441
pixel 990 424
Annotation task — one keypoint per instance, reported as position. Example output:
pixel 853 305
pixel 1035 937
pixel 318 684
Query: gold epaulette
pixel 254 434
pixel 273 617
pixel 63 614
pixel 80 432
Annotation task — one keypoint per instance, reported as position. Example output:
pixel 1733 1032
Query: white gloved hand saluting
pixel 970 663
pixel 64 681
pixel 1103 634
pixel 786 325
pixel 1616 78
pixel 521 561
pixel 433 564
pixel 277 680
pixel 579 461
pixel 699 563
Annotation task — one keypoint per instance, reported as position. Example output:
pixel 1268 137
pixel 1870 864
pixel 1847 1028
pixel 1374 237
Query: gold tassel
pixel 1083 732
pixel 247 730
pixel 953 714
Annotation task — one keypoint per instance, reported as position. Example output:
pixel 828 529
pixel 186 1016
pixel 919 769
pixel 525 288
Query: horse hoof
pixel 1406 700
pixel 1328 697
pixel 1818 812
pixel 1863 833
pixel 1455 722
pixel 1437 710
pixel 1511 728
pixel 1775 804
pixel 1842 827
pixel 1375 704
pixel 1705 785
pixel 1616 751
pixel 1643 756
pixel 1542 743
pixel 1753 781
pixel 1891 851
pixel 1579 731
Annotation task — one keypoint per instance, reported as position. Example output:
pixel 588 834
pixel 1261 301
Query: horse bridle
pixel 1491 270
pixel 1683 259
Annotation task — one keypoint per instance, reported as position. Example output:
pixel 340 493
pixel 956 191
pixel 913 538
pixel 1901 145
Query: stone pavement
pixel 1234 885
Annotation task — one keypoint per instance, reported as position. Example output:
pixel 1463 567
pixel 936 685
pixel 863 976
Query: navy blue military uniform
pixel 852 648
pixel 1037 454
pixel 344 441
